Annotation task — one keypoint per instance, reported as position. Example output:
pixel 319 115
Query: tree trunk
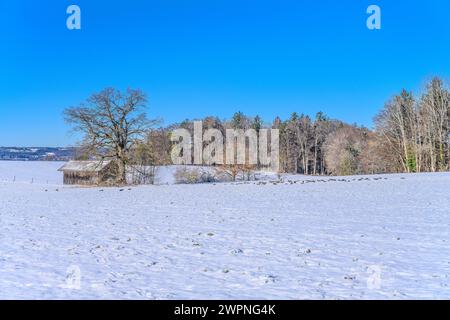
pixel 121 178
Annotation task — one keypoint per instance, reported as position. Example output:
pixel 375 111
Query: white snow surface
pixel 371 237
pixel 41 172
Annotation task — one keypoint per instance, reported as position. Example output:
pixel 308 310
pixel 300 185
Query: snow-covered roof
pixel 91 166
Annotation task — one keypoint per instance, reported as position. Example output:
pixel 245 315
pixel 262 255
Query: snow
pixel 41 172
pixel 370 237
pixel 89 166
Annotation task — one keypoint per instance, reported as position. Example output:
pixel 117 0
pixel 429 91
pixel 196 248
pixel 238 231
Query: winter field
pixel 374 237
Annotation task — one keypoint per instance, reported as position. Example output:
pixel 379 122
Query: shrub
pixel 185 175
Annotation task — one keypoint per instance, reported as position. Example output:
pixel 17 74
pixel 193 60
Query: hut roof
pixel 85 166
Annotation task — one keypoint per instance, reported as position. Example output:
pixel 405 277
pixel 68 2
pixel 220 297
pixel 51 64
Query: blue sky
pixel 213 57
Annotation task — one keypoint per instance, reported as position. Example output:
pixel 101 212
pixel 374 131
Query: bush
pixel 187 175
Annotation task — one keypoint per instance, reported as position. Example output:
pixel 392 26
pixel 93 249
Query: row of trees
pixel 417 129
pixel 411 134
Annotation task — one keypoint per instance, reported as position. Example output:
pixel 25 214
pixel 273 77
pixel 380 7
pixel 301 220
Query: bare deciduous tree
pixel 112 123
pixel 434 111
pixel 397 123
pixel 343 150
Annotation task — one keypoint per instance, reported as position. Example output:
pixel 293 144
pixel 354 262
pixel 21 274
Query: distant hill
pixel 36 153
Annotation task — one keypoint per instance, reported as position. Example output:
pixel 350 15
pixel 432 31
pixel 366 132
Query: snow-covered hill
pixel 317 238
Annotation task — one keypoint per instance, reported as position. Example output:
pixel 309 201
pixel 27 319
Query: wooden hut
pixel 89 172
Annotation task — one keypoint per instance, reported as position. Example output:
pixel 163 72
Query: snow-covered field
pixel 381 237
pixel 31 172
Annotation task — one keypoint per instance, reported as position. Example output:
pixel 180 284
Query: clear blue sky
pixel 213 57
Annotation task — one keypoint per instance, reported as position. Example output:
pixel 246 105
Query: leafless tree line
pixel 411 134
pixel 417 130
